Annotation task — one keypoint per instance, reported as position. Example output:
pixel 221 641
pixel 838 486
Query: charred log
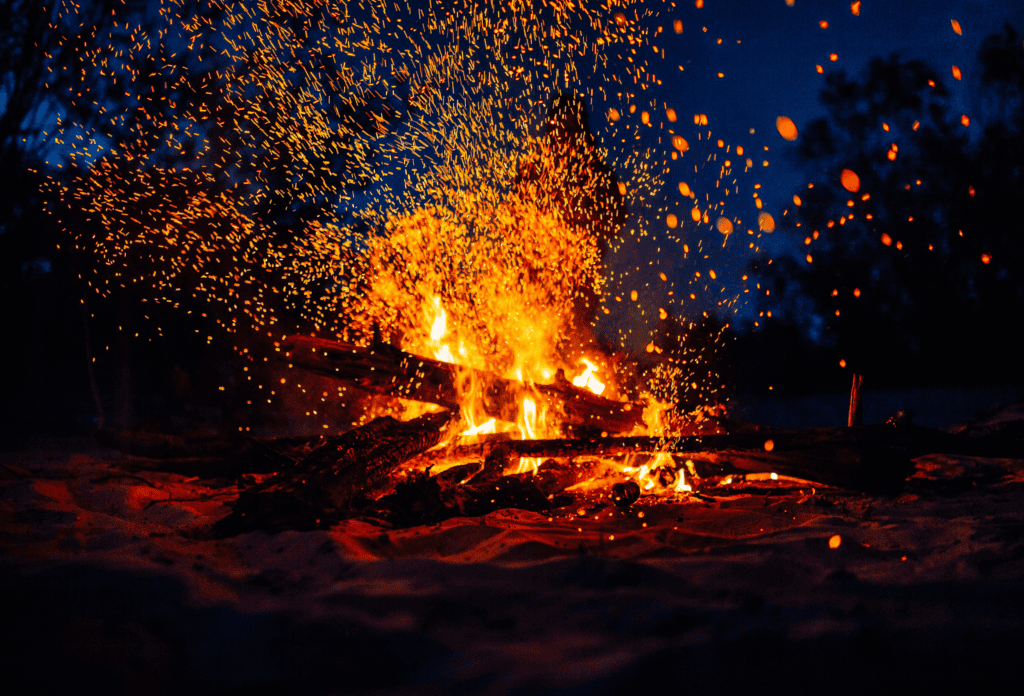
pixel 384 369
pixel 319 490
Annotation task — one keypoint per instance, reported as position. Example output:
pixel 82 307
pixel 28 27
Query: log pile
pixel 384 369
pixel 383 470
pixel 320 489
pixel 318 482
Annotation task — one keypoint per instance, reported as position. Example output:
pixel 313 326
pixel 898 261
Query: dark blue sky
pixel 768 56
pixel 772 71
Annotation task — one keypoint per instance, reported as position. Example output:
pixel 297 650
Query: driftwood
pixel 317 491
pixel 384 369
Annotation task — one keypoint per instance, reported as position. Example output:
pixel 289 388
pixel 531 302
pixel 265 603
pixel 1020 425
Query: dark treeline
pixel 913 271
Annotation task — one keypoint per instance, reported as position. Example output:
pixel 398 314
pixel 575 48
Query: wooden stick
pixel 856 416
pixel 384 369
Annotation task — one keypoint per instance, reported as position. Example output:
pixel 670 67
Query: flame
pixel 486 428
pixel 587 378
pixel 528 425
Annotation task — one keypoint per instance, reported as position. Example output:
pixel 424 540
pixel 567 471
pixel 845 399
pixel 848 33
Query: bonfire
pixel 436 218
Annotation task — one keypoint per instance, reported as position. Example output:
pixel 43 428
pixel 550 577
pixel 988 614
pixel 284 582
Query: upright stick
pixel 856 416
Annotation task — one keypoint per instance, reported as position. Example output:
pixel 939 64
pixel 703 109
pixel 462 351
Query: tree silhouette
pixel 911 266
pixel 42 69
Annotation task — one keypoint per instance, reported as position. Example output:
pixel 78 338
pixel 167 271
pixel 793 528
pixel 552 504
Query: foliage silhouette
pixel 914 275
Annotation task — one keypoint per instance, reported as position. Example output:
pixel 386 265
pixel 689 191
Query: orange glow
pixel 855 7
pixel 886 239
pixel 588 379
pixel 645 118
pixel 956 26
pixel 819 69
pixel 671 115
pixel 965 120
pixel 833 57
pixel 485 428
pixel 672 220
pixel 850 180
pixel 986 259
pixel 769 445
pixel 684 189
pixel 856 292
pixel 970 191
pixel 765 222
pixel 679 143
pixel 677 26
pixel 786 128
pixel 695 214
pixel 797 201
pixel 842 363
pixel 956 72
pixel 614 115
pixel 834 541
pixel 823 24
pixel 724 226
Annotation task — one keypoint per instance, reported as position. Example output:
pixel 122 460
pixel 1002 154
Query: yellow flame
pixel 485 428
pixel 587 378
pixel 528 425
pixel 439 328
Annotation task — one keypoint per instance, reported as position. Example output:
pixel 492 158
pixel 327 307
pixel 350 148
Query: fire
pixel 487 428
pixel 587 378
pixel 489 255
pixel 528 423
pixel 438 330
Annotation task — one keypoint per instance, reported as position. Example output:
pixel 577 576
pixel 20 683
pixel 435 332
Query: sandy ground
pixel 110 586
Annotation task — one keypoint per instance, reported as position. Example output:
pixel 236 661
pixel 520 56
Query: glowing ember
pixel 850 180
pixel 786 127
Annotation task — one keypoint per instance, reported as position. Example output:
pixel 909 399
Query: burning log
pixel 861 458
pixel 384 369
pixel 317 490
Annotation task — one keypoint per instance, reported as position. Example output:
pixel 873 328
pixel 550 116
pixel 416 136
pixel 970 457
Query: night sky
pixel 743 65
pixel 767 53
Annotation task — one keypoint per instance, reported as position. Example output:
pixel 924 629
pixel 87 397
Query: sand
pixel 111 586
